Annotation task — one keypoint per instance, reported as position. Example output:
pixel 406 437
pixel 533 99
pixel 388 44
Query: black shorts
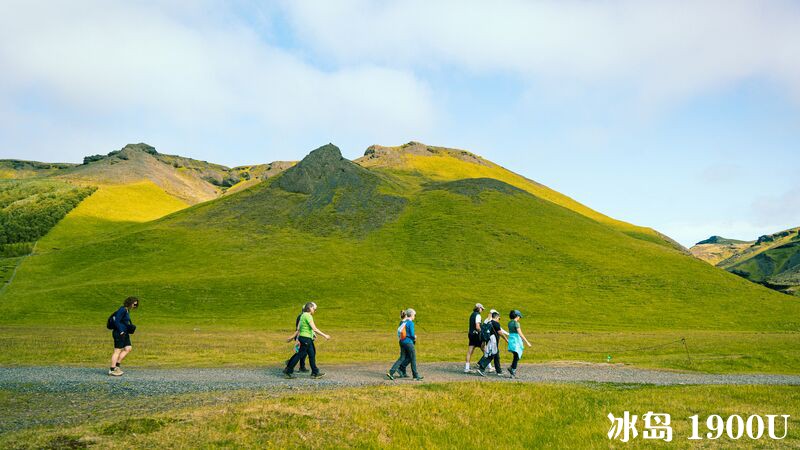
pixel 121 341
pixel 474 339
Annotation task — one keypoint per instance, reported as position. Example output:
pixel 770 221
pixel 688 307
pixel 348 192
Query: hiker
pixel 305 333
pixel 489 319
pixel 402 369
pixel 121 330
pixel 515 338
pixel 407 338
pixel 474 333
pixel 297 345
pixel 491 333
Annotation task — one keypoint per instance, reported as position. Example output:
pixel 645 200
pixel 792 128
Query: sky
pixel 681 116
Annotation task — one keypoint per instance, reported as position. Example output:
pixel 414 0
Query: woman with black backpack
pixel 121 330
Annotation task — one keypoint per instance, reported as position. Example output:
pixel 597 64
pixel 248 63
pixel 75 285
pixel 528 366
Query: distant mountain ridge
pixel 190 180
pixel 772 260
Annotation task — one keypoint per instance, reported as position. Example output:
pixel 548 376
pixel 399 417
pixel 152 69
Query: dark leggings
pixel 408 355
pixel 515 361
pixel 306 349
pixel 484 362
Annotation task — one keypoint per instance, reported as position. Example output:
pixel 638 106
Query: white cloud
pixel 660 50
pixel 188 64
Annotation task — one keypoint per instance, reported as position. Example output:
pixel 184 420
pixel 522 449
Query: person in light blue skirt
pixel 515 339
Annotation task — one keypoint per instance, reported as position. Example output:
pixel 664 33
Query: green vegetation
pixel 365 243
pixel 30 208
pixel 773 260
pixel 235 346
pixel 16 169
pixel 516 415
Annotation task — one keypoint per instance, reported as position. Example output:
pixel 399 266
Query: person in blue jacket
pixel 407 337
pixel 121 332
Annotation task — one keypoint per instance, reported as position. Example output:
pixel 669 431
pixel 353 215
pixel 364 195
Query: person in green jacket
pixel 305 333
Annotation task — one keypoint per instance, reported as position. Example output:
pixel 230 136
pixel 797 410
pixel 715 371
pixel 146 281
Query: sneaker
pixel 318 375
pixel 419 378
pixel 288 375
pixel 403 375
pixel 466 370
pixel 499 374
pixel 480 372
pixel 116 372
pixel 390 376
pixel 512 373
pixel 303 369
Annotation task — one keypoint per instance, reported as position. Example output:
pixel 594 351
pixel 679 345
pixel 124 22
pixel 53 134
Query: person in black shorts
pixel 474 333
pixel 121 333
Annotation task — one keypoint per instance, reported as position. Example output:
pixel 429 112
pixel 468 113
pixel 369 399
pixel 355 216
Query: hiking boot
pixel 318 375
pixel 390 376
pixel 115 372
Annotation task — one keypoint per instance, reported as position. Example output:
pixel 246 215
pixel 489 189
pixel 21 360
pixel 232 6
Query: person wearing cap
pixel 515 338
pixel 474 333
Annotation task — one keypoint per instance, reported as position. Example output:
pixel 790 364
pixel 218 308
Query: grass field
pixel 456 415
pixel 712 352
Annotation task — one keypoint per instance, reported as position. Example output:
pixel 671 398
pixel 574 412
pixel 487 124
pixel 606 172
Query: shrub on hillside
pixel 29 209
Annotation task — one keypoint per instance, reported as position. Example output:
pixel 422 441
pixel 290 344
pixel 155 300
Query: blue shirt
pixel 410 336
pixel 122 319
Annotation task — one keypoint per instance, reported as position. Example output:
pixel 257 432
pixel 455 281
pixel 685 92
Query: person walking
pixel 407 338
pixel 473 333
pixel 121 330
pixel 491 350
pixel 402 369
pixel 305 333
pixel 297 345
pixel 515 338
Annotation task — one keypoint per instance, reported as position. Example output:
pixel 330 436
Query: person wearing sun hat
pixel 515 338
pixel 474 333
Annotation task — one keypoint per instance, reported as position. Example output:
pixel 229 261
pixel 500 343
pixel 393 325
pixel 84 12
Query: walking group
pixel 484 335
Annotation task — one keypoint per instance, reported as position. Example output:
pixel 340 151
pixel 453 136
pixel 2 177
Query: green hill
pixel 364 241
pixel 772 260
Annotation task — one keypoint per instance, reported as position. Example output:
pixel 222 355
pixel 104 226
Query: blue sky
pixel 682 116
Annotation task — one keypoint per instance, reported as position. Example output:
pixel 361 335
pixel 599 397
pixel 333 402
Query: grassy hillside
pixel 717 249
pixel 364 244
pixel 29 208
pixel 772 260
pixel 439 163
pixel 191 180
pixel 11 169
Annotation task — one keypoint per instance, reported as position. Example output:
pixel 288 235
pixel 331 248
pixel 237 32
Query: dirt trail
pixel 177 381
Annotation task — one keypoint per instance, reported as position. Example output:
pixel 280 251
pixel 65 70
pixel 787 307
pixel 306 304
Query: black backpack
pixel 487 329
pixel 112 320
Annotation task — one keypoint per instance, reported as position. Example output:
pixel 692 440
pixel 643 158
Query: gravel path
pixel 179 381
